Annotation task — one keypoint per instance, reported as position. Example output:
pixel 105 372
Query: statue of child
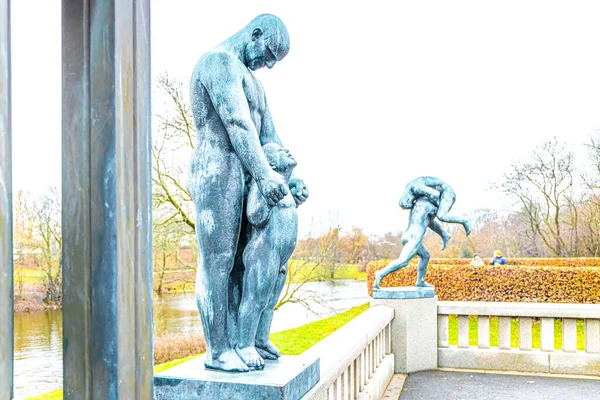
pixel 265 258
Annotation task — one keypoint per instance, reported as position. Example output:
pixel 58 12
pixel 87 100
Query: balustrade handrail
pixel 340 349
pixel 501 309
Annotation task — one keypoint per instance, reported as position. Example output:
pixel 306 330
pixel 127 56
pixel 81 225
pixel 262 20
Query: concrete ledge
pixel 378 384
pixel 579 363
pixel 577 311
pixel 521 373
pixel 557 362
pixel 394 389
pixel 494 359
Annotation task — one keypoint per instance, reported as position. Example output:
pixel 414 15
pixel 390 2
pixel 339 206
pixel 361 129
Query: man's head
pixel 268 43
pixel 407 200
pixel 280 159
pixel 497 253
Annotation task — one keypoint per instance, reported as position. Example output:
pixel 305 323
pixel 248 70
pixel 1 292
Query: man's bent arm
pixel 268 133
pixel 224 86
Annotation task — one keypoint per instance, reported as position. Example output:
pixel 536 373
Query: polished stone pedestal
pixel 288 378
pixel 404 293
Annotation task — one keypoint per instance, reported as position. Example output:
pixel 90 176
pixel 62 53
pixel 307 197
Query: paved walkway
pixel 449 385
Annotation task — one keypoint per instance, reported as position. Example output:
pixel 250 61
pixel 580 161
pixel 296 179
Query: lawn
pixel 29 276
pixel 300 271
pixel 290 342
pixel 514 332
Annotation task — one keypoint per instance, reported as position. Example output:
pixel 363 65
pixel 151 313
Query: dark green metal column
pixel 6 245
pixel 107 239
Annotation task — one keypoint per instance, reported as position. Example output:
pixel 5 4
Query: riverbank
pixel 30 297
pixel 30 292
pixel 290 342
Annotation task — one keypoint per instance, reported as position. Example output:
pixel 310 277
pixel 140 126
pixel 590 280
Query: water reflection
pixel 38 335
pixel 38 352
pixel 175 314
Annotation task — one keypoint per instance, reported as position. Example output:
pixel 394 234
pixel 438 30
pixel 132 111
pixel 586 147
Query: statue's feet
pixel 445 238
pixel 229 361
pixel 268 351
pixel 378 279
pixel 251 357
pixel 423 284
pixel 467 226
pixel 265 354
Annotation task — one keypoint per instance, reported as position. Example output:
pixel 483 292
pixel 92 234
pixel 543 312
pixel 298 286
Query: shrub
pixel 509 283
pixel 530 262
pixel 178 345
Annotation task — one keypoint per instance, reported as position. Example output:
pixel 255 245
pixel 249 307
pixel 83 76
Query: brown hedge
pixel 530 262
pixel 511 283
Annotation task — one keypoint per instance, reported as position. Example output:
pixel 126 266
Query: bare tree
pixel 542 186
pixel 43 216
pixel 171 242
pixel 172 144
pixel 356 246
pixel 22 238
pixel 589 210
pixel 312 259
pixel 385 247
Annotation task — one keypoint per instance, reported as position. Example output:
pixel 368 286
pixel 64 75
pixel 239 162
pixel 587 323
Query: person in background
pixel 498 259
pixel 476 261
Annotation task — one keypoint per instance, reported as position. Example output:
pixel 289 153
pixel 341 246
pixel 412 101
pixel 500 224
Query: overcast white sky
pixel 372 94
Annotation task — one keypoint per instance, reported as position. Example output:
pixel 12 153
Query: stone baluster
pixel 442 321
pixel 547 334
pixel 504 333
pixel 592 336
pixel 569 335
pixel 525 338
pixel 483 332
pixel 463 331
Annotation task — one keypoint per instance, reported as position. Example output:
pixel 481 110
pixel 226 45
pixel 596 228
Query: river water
pixel 38 335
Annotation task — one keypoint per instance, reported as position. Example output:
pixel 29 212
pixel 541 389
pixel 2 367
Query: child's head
pixel 280 159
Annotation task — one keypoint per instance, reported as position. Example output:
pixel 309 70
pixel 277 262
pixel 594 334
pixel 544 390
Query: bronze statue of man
pixel 233 123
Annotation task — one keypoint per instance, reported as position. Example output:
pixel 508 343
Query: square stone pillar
pixel 6 246
pixel 107 204
pixel 414 327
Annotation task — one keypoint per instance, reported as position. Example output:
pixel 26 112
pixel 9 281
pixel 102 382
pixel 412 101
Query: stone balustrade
pixel 547 358
pixel 355 360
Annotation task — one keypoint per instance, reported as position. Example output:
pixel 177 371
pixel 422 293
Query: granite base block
pixel 404 293
pixel 288 378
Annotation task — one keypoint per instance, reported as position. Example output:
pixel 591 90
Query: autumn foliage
pixel 530 262
pixel 559 281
